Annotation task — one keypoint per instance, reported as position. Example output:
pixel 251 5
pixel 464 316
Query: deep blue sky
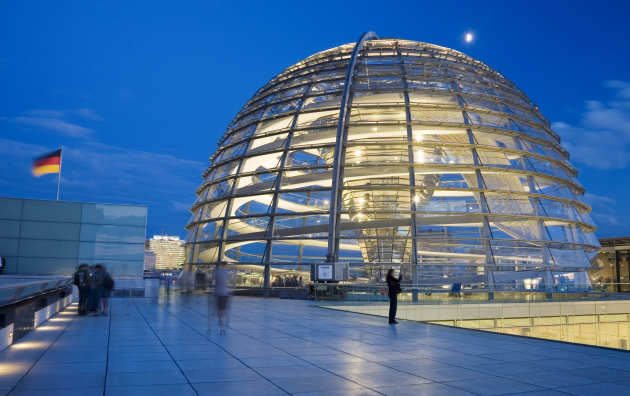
pixel 140 92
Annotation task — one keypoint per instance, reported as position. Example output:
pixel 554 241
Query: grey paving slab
pixel 444 374
pixel 154 390
pixel 319 383
pixel 63 368
pixel 347 392
pixel 511 369
pixel 510 356
pixel 554 379
pixel 74 357
pixel 547 392
pixel 430 389
pixel 335 357
pixel 122 350
pixel 195 355
pixel 348 369
pixel 602 374
pixel 491 386
pixel 68 380
pixel 375 379
pixel 98 391
pixel 278 372
pixel 603 388
pixel 135 366
pixel 275 361
pixel 220 374
pixel 225 361
pixel 140 356
pixel 553 363
pixel 239 388
pixel 153 377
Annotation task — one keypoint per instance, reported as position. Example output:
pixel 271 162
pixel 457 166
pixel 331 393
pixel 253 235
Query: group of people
pixel 95 286
pixel 287 281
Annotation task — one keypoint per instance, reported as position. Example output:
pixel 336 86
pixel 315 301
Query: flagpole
pixel 59 174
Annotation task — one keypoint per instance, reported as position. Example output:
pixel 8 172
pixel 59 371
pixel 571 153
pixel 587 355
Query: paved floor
pixel 279 347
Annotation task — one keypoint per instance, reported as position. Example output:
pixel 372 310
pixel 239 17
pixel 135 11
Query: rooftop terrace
pixel 278 347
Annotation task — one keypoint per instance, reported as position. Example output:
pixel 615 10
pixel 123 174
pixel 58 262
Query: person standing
pixel 82 281
pixel 108 287
pixel 393 289
pixel 222 293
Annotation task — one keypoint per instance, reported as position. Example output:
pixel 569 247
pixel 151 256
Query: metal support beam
pixel 412 180
pixel 342 136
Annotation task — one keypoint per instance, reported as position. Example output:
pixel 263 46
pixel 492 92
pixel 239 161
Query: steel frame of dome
pixel 462 179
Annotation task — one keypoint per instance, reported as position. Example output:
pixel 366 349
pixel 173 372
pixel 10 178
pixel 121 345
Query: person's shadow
pixel 394 330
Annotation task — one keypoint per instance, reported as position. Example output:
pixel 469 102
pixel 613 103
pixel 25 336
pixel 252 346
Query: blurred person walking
pixel 393 289
pixel 96 288
pixel 222 294
pixel 106 292
pixel 186 280
pixel 92 294
pixel 82 281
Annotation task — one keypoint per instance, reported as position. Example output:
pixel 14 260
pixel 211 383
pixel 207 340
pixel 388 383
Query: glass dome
pixel 394 153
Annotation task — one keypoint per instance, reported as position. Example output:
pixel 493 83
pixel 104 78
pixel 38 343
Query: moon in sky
pixel 469 37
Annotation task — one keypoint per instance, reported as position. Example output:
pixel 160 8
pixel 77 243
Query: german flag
pixel 48 163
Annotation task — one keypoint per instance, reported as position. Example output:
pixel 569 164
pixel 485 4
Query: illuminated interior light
pixel 416 199
pixel 419 156
pixel 358 217
pixel 419 137
pixel 357 155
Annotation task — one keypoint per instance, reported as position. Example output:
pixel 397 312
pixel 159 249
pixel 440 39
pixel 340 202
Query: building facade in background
pixel 149 261
pixel 41 237
pixel 168 250
pixel 394 153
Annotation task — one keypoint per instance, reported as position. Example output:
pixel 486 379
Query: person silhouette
pixel 393 289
